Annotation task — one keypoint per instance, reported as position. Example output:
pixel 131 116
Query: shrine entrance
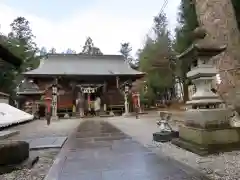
pixel 89 93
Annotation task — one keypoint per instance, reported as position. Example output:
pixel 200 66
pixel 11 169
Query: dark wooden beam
pixel 7 56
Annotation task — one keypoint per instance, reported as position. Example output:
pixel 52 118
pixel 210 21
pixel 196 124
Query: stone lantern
pixel 206 127
pixel 126 103
pixel 54 101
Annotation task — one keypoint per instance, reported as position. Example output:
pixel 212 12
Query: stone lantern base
pixel 208 141
pixel 54 118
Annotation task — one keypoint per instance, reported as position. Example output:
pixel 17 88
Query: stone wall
pixel 218 18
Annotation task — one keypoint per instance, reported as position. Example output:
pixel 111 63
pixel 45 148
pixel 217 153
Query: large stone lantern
pixel 206 127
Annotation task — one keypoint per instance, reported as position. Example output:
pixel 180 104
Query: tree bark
pixel 218 18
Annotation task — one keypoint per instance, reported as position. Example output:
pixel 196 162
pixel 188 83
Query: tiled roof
pixel 75 64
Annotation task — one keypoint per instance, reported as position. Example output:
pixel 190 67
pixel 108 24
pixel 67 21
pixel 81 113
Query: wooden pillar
pixel 78 104
pixel 81 104
pixel 104 94
pixel 117 82
pixel 89 99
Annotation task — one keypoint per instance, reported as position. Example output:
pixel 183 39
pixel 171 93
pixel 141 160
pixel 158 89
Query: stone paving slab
pixel 7 134
pixel 46 142
pixel 110 158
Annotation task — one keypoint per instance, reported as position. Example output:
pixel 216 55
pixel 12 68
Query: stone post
pixel 126 104
pixel 54 100
pixel 139 103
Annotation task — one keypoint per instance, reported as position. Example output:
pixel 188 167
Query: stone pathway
pixel 6 134
pixel 39 129
pixel 224 166
pixel 39 135
pixel 46 142
pixel 99 151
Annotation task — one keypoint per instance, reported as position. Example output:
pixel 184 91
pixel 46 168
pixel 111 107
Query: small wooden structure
pixel 29 97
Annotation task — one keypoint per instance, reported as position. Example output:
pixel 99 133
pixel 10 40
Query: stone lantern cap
pixel 202 46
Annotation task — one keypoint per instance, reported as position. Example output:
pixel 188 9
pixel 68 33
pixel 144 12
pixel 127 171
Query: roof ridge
pixel 74 64
pixel 105 56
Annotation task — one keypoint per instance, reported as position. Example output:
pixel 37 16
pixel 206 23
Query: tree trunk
pixel 218 18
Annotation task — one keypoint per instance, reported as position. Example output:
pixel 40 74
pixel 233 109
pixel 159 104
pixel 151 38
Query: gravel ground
pixel 224 166
pixel 38 171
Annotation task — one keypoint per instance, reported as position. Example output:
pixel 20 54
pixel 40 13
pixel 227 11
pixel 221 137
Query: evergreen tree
pixel 126 50
pixel 155 60
pixel 43 51
pixel 70 51
pixel 90 49
pixel 52 51
pixel 21 41
pixel 187 20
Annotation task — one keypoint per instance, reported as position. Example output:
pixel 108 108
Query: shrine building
pixel 64 78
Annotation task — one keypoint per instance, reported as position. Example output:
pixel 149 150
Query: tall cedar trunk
pixel 218 18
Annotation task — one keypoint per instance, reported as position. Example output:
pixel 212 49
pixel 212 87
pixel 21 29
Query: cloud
pixel 108 23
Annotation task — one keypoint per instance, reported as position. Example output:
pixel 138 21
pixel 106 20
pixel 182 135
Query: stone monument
pixel 206 128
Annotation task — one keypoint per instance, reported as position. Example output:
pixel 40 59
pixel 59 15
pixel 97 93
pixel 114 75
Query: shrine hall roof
pixel 79 64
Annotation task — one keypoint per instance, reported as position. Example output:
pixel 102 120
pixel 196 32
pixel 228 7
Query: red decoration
pixel 135 99
pixel 48 101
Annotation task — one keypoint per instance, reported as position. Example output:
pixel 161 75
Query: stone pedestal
pixel 208 141
pixel 54 118
pixel 165 132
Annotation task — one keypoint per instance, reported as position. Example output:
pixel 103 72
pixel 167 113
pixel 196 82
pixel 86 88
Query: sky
pixel 66 24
